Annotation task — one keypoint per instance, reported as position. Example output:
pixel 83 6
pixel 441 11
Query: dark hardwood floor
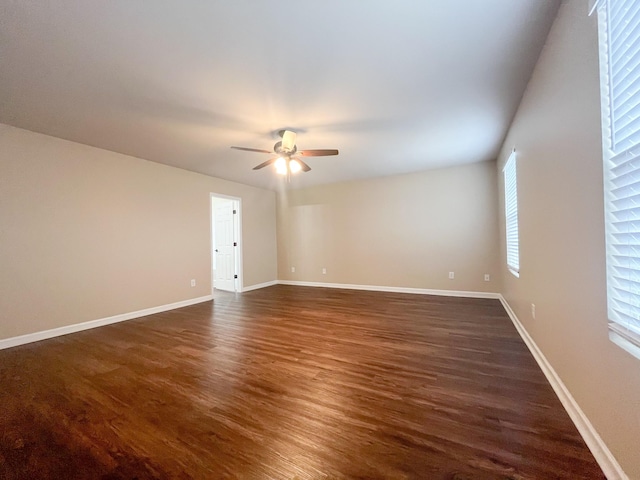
pixel 289 383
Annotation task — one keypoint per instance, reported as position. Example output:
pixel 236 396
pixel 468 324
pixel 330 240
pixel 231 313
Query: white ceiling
pixel 396 86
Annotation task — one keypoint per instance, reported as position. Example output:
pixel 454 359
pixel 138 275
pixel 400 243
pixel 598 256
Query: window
pixel 511 214
pixel 619 32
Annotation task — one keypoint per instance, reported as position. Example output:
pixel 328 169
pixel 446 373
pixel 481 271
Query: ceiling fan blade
pixel 317 153
pixel 247 149
pixel 288 140
pixel 265 164
pixel 305 167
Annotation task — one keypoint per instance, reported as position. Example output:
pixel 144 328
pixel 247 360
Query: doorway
pixel 226 251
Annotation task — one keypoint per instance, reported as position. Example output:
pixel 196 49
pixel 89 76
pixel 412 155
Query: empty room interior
pixel 320 240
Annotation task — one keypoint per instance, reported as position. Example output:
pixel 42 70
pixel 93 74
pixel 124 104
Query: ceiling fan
pixel 288 159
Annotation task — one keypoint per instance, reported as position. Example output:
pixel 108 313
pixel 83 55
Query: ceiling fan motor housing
pixel 283 151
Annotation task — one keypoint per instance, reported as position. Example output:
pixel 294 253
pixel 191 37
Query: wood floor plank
pixel 289 383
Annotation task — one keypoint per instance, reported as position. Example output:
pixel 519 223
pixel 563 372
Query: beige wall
pixel 86 233
pixel 562 254
pixel 401 231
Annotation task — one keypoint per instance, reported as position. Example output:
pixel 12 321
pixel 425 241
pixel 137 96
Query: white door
pixel 224 247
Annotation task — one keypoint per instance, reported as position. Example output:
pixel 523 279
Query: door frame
pixel 237 234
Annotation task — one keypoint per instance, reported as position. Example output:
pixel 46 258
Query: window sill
pixel 625 339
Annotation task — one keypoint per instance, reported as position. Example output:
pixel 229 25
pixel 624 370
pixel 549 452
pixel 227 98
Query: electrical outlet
pixel 293 269
pixel 533 311
pixel 193 282
pixel 487 277
pixel 451 275
pixel 324 271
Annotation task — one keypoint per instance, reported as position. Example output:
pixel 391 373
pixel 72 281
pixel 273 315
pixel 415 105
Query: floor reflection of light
pixel 225 359
pixel 310 426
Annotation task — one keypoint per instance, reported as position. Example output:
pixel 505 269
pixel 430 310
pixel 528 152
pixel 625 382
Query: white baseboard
pixel 260 285
pixel 378 288
pixel 601 453
pixel 78 327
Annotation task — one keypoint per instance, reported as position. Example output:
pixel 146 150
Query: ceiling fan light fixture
pixel 294 166
pixel 281 166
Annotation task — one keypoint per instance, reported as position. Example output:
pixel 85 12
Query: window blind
pixel 619 25
pixel 511 214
